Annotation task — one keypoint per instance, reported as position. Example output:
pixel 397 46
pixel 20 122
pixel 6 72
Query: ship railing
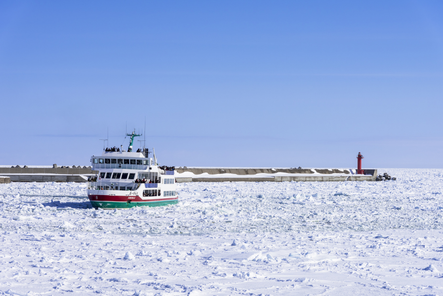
pixel 124 186
pixel 98 166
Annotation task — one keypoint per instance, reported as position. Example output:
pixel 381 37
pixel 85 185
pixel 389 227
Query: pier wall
pixel 185 174
pixel 31 170
pixel 47 178
pixel 62 174
pixel 4 180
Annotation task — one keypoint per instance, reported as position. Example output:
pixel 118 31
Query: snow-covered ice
pixel 289 238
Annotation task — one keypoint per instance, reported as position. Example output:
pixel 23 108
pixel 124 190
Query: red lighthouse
pixel 359 170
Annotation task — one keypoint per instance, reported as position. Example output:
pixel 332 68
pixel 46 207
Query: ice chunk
pixel 129 256
pixel 431 268
pixel 67 225
pixel 257 257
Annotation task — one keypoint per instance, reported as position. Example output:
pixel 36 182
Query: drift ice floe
pixel 128 179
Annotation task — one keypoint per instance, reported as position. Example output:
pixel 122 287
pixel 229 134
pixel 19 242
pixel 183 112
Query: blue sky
pixel 224 83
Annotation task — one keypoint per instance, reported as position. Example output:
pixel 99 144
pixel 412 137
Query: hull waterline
pixel 123 202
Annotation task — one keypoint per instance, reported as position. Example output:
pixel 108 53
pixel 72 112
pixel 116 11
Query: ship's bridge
pixel 121 160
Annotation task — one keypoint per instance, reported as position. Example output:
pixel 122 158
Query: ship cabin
pixel 126 171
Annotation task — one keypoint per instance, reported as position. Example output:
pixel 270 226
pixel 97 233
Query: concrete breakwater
pixel 4 180
pixel 47 174
pixel 195 174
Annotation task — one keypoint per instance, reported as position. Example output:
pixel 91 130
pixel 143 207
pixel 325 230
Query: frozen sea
pixel 289 238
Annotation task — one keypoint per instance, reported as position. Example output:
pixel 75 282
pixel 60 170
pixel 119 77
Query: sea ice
pixel 346 238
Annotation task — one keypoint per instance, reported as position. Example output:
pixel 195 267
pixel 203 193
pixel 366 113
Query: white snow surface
pixel 239 238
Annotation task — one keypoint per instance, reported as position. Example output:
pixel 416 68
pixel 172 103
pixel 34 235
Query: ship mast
pixel 133 135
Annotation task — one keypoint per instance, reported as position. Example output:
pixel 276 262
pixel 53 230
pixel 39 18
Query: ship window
pixel 131 176
pixel 107 160
pixel 125 176
pixel 100 160
pixel 120 161
pixel 126 161
pixel 116 176
pixel 95 160
pixel 106 187
pixel 113 160
pixel 132 161
pixel 108 175
pixel 145 162
pixel 102 175
pixel 151 192
pixel 139 161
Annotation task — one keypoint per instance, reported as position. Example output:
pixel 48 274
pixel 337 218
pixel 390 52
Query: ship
pixel 127 179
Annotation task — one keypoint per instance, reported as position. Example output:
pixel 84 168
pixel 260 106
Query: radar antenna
pixel 106 140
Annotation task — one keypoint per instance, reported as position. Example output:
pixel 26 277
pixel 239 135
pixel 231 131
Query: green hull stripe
pixel 125 205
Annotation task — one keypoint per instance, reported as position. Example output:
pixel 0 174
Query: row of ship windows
pixel 152 192
pixel 123 176
pixel 168 181
pixel 158 193
pixel 120 161
pixel 113 187
pixel 130 176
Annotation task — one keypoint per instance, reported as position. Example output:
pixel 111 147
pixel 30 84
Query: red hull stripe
pixel 94 197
